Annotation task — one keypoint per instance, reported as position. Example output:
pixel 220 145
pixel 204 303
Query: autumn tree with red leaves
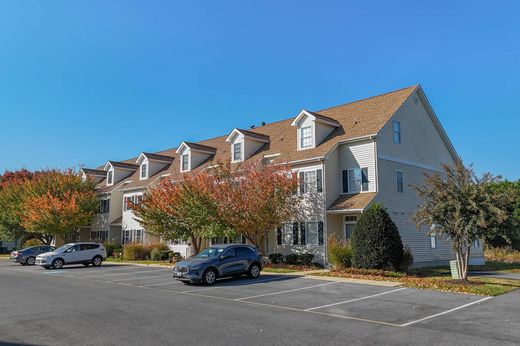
pixel 254 198
pixel 182 209
pixel 57 203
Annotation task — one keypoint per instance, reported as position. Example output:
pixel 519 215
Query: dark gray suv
pixel 28 255
pixel 220 261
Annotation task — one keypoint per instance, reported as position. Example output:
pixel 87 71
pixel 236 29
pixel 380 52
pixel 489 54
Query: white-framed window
pixel 306 137
pixel 396 127
pixel 350 225
pixel 476 243
pixel 237 151
pixel 240 239
pixel 133 236
pixel 185 162
pixel 144 171
pixel 104 206
pixel 99 236
pixel 110 177
pixel 433 241
pixel 139 236
pixel 127 236
pixel 287 233
pixel 129 200
pixel 311 181
pixel 300 233
pixel 355 180
pixel 399 181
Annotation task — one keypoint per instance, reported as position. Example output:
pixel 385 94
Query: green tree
pixel 462 207
pixel 376 242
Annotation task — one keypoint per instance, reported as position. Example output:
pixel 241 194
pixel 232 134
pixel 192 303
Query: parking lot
pixel 317 300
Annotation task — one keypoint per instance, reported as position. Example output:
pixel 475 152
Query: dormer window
pixel 110 177
pixel 185 162
pixel 144 171
pixel 237 152
pixel 312 129
pixel 306 137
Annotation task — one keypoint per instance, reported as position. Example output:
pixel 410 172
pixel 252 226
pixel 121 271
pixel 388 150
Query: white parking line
pixel 159 284
pixel 138 278
pixel 354 300
pixel 130 272
pixel 238 285
pixel 445 312
pixel 286 291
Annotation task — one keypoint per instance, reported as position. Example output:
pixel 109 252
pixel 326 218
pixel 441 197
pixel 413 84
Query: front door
pixel 350 225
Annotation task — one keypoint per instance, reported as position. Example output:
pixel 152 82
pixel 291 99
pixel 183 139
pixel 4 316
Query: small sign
pixel 454 269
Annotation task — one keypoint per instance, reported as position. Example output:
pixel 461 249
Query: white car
pixel 73 253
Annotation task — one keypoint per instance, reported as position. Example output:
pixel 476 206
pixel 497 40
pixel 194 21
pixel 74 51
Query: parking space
pixel 393 306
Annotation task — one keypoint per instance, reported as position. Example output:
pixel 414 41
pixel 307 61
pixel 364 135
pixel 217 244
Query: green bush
pixel 407 260
pixel 376 243
pixel 176 256
pixel 155 255
pixel 32 242
pixel 291 258
pixel 340 253
pixel 305 258
pixel 276 258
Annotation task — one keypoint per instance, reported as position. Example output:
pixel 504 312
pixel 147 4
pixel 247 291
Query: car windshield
pixel 210 252
pixel 63 248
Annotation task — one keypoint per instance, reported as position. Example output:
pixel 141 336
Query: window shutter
pixel 302 234
pixel 319 180
pixel 278 236
pixel 320 232
pixel 345 181
pixel 295 233
pixel 364 179
pixel 302 182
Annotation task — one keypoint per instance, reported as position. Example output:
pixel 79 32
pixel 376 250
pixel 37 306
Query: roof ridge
pixel 370 97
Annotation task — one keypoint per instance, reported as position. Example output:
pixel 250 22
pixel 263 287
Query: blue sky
pixel 82 82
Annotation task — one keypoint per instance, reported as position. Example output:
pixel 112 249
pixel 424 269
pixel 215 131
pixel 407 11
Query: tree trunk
pixel 195 244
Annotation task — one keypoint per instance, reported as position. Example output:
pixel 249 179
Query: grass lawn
pixel 5 255
pixel 437 278
pixel 120 260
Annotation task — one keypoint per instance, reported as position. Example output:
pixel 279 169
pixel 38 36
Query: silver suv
pixel 73 253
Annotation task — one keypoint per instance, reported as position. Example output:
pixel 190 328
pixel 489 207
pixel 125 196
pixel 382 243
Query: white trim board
pixel 408 162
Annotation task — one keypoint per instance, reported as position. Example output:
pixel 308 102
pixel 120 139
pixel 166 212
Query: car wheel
pixel 209 277
pixel 57 263
pixel 254 271
pixel 96 261
pixel 30 261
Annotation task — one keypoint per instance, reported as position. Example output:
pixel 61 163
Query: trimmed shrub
pixel 407 260
pixel 174 256
pixel 291 258
pixel 276 258
pixel 158 246
pixel 305 258
pixel 340 253
pixel 155 255
pixel 376 243
pixel 32 242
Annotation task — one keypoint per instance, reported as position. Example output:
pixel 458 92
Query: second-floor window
pixel 129 200
pixel 144 171
pixel 104 206
pixel 311 181
pixel 397 131
pixel 110 177
pixel 355 180
pixel 185 162
pixel 305 137
pixel 237 152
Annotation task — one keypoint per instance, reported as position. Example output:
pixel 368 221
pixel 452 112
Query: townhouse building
pixel 348 156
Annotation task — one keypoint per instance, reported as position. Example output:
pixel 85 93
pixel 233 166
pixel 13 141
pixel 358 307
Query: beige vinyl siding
pixel 401 207
pixel 332 178
pixel 358 155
